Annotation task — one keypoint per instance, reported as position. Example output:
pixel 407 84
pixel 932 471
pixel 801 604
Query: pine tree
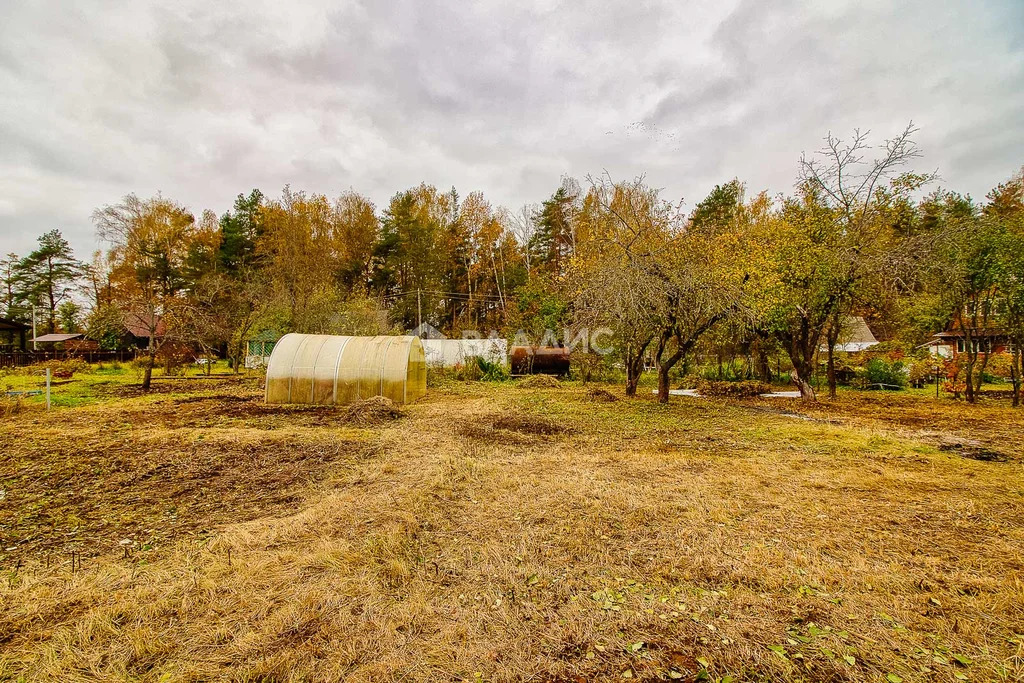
pixel 552 244
pixel 239 233
pixel 12 305
pixel 48 274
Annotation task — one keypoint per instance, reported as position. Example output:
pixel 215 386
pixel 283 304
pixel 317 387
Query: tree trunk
pixel 147 377
pixel 1015 371
pixel 800 348
pixel 762 366
pixel 830 340
pixel 981 370
pixel 631 382
pixel 665 365
pixel 664 368
pixel 634 367
pixel 972 359
pixel 803 384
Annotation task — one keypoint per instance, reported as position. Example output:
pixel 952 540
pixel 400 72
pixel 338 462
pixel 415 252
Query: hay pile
pixel 372 411
pixel 601 395
pixel 540 382
pixel 517 429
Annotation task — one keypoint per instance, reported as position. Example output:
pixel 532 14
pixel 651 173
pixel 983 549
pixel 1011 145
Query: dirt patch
pixel 246 409
pixel 987 429
pixel 222 398
pixel 144 493
pixel 969 448
pixel 372 411
pixel 782 412
pixel 529 424
pixel 600 395
pixel 177 385
pixel 540 382
pixel 152 471
pixel 512 429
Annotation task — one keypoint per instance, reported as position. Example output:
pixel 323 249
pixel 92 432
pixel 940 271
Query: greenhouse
pixel 449 353
pixel 333 370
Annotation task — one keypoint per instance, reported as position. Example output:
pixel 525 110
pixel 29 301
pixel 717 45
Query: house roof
pixel 139 324
pixel 959 334
pixel 56 337
pixel 856 331
pixel 8 324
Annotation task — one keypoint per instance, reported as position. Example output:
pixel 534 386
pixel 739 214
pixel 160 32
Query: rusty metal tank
pixel 539 360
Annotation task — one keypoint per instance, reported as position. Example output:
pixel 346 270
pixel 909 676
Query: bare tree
pixel 151 245
pixel 651 276
pixel 843 196
pixel 523 225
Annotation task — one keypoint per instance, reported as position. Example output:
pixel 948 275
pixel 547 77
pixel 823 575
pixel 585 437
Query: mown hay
pixel 699 540
pixel 540 382
pixel 528 424
pixel 744 389
pixel 601 395
pixel 372 411
pixel 511 429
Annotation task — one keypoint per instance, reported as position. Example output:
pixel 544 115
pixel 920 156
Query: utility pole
pixel 34 345
pixel 419 311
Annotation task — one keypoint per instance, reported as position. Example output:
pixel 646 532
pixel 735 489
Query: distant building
pixel 141 325
pixel 259 347
pixel 855 335
pixel 952 342
pixel 12 334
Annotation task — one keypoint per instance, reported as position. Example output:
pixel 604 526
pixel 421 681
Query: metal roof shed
pixel 333 370
pixel 56 337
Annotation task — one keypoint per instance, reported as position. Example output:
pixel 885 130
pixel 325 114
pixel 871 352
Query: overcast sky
pixel 204 100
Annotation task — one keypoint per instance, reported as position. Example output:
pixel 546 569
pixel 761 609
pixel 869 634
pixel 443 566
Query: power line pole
pixel 35 347
pixel 419 311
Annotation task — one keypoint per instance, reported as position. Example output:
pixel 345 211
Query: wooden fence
pixel 20 358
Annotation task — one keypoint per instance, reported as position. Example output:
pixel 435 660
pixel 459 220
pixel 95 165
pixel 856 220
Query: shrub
pixel 689 382
pixel 744 389
pixel 999 367
pixel 10 405
pixel 475 369
pixel 886 372
pixel 921 371
pixel 587 365
pixel 491 371
pixel 59 369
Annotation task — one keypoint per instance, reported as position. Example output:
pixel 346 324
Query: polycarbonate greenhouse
pixel 332 370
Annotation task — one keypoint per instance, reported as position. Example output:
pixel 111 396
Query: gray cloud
pixel 202 101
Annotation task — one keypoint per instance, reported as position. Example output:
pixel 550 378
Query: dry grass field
pixel 501 533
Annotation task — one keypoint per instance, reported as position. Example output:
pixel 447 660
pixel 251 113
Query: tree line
pixel 863 233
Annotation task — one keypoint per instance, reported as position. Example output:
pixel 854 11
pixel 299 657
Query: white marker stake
pixel 47 388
